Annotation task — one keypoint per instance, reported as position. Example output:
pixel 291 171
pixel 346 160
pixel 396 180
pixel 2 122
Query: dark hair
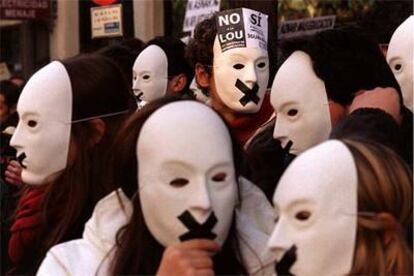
pixel 68 201
pixel 10 91
pixel 174 48
pixel 134 240
pixel 124 55
pixel 200 48
pixel 347 60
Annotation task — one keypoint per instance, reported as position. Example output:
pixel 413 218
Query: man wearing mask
pixel 229 53
pixel 160 69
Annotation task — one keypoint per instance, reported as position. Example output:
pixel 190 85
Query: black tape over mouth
pixel 283 266
pixel 197 230
pixel 20 159
pixel 250 95
pixel 138 97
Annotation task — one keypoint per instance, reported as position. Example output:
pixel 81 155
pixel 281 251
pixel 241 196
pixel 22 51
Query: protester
pixel 342 209
pixel 231 62
pixel 69 113
pixel 180 192
pixel 161 68
pixel 323 79
pixel 400 58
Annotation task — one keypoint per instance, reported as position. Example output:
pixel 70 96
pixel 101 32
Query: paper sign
pixel 198 10
pixel 308 26
pixel 241 28
pixel 106 21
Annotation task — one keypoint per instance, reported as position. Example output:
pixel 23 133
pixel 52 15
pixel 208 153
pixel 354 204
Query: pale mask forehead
pixel 150 74
pixel 300 102
pixel 185 141
pixel 314 184
pixel 400 58
pixel 43 133
pixel 241 76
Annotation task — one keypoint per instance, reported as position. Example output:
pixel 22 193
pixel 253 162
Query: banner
pixel 307 26
pixel 25 9
pixel 198 10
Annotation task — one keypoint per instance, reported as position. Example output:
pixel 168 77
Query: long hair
pixel 384 186
pixel 68 202
pixel 137 251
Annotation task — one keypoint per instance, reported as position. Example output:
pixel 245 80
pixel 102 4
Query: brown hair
pixel 384 186
pixel 137 251
pixel 98 89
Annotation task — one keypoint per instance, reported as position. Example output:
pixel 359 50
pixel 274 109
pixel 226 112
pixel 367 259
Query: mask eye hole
pixel 303 215
pixel 292 112
pixel 32 123
pixel 397 67
pixel 219 177
pixel 179 182
pixel 146 77
pixel 238 66
pixel 261 65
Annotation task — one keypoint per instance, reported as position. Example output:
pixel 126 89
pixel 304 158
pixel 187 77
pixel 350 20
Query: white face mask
pixel 150 74
pixel 43 132
pixel 186 174
pixel 400 58
pixel 316 205
pixel 301 105
pixel 241 76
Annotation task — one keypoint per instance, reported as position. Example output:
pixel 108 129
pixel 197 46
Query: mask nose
pixel 250 76
pixel 280 132
pixel 200 204
pixel 279 241
pixel 15 141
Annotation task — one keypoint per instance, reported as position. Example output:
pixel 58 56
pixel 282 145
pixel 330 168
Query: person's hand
pixel 14 173
pixel 386 99
pixel 191 257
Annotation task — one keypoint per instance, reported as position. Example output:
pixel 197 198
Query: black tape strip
pixel 20 159
pixel 197 230
pixel 250 95
pixel 285 264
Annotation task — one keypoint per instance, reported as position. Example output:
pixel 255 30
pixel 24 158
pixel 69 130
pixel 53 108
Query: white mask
pixel 241 62
pixel 43 132
pixel 150 74
pixel 185 166
pixel 400 58
pixel 300 102
pixel 316 205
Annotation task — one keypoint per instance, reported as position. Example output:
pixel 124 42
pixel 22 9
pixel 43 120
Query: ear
pixel 178 83
pixel 390 226
pixel 337 112
pixel 99 128
pixel 202 76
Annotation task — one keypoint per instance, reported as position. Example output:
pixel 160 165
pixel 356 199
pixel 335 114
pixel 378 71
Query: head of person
pixel 124 54
pixel 161 68
pixel 230 57
pixel 400 58
pixel 319 79
pixel 9 94
pixel 181 176
pixel 64 106
pixel 346 219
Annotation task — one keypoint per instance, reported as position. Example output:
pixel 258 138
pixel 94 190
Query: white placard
pixel 106 21
pixel 242 28
pixel 307 26
pixel 198 10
